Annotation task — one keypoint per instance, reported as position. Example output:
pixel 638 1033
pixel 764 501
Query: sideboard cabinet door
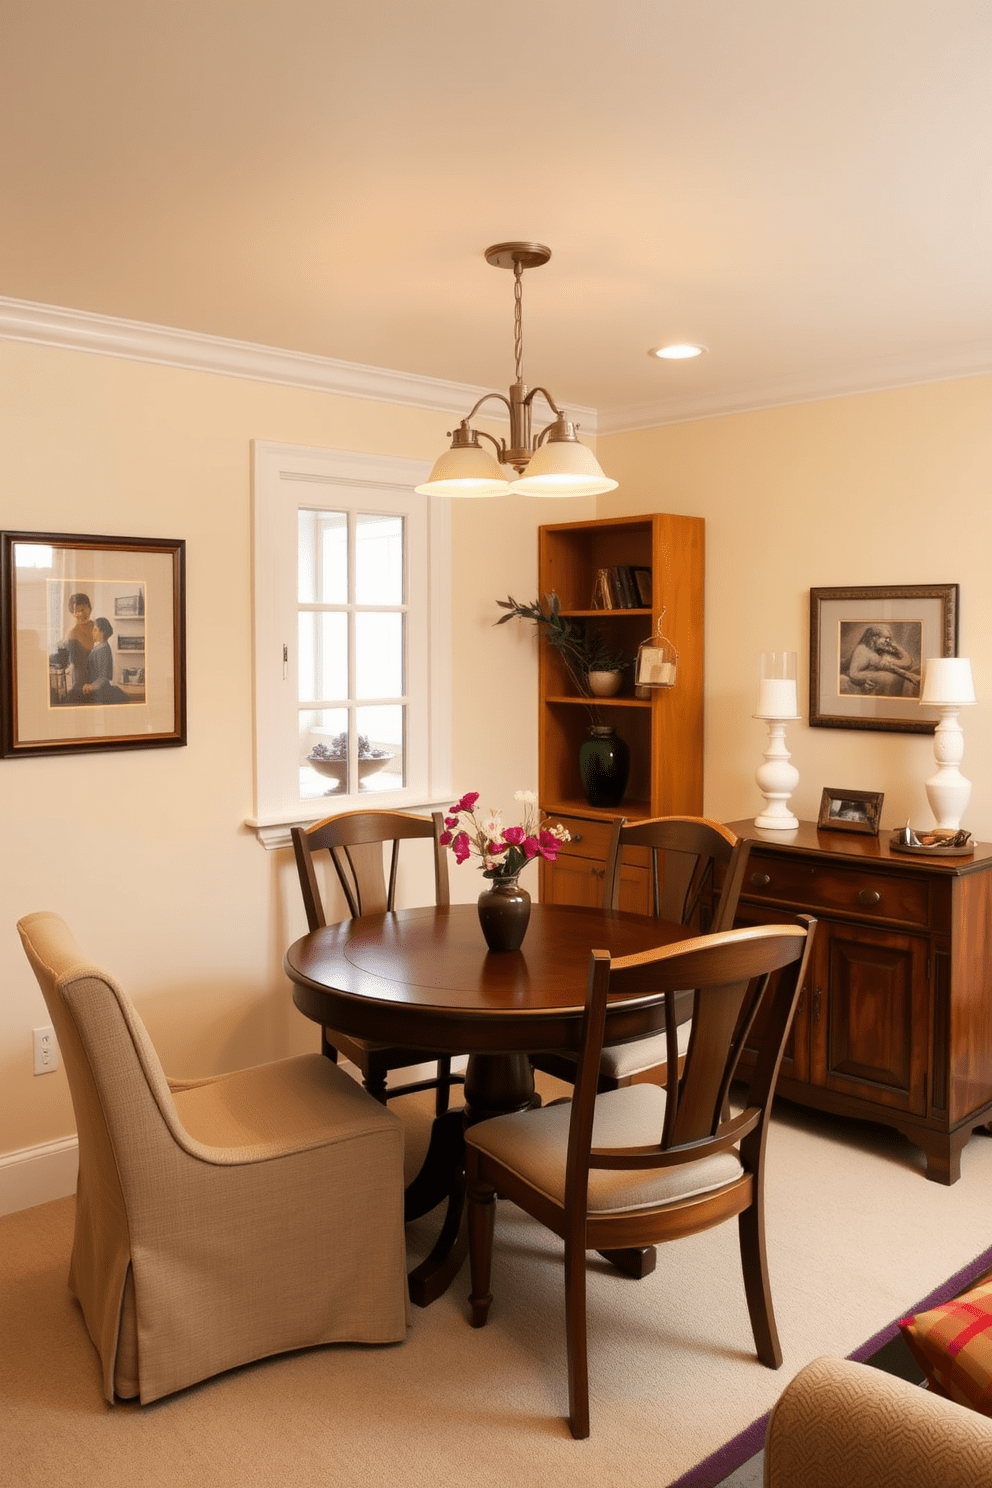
pixel 870 1016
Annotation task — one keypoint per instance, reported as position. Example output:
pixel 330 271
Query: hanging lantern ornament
pixel 657 661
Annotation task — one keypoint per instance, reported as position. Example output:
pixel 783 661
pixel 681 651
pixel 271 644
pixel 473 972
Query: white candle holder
pixel 948 687
pixel 778 705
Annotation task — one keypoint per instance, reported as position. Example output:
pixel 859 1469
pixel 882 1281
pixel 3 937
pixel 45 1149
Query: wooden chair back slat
pixel 729 973
pixel 684 853
pixel 355 842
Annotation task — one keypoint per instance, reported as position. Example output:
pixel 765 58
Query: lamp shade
pixel 467 470
pixel 563 467
pixel 947 682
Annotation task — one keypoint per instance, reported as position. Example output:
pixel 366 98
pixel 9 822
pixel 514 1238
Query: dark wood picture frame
pixel 63 688
pixel 867 648
pixel 850 811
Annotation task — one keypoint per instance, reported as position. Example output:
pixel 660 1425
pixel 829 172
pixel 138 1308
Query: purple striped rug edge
pixel 726 1459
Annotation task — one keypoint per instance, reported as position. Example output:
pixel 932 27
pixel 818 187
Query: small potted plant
pixel 595 667
pixel 604 758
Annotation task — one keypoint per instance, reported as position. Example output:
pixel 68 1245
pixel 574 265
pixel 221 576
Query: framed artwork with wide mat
pixel 867 649
pixel 92 643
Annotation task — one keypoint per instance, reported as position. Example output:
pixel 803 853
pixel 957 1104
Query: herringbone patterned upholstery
pixel 844 1425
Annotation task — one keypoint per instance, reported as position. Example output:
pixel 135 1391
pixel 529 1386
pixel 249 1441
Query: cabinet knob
pixel 576 836
pixel 761 880
pixel 868 896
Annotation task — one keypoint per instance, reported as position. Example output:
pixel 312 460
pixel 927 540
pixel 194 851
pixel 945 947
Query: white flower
pixel 492 827
pixel 528 797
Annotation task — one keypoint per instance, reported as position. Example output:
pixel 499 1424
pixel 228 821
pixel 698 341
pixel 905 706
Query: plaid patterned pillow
pixel 953 1346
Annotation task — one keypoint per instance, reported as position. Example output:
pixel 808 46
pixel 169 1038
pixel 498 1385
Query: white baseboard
pixel 36 1175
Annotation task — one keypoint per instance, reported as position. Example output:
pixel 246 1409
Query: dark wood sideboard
pixel 894 1023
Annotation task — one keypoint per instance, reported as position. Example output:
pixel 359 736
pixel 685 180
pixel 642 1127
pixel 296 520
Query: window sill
pixel 274 831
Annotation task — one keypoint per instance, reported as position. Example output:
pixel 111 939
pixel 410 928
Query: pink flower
pixel 445 837
pixel 531 847
pixel 450 821
pixel 514 836
pixel 460 847
pixel 467 801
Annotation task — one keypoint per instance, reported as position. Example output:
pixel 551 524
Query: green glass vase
pixel 604 765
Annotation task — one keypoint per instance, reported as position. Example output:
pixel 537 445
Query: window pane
pixel 381 733
pixel 378 560
pixel 323 557
pixel 323 647
pixel 379 655
pixel 323 733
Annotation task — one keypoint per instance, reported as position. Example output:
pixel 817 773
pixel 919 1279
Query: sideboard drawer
pixel 865 892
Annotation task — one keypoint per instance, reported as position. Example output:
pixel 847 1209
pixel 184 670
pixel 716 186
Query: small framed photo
pixel 867 649
pixel 850 811
pixel 92 643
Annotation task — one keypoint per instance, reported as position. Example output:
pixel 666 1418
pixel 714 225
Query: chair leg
pixel 757 1287
pixel 443 1092
pixel 327 1048
pixel 575 1340
pixel 374 1080
pixel 481 1223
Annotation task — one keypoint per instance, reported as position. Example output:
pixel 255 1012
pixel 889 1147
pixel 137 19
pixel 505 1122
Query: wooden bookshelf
pixel 664 731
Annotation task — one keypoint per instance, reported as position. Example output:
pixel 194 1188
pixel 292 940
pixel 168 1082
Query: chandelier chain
pixel 518 329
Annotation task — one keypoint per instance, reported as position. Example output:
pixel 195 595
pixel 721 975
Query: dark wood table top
pixel 425 978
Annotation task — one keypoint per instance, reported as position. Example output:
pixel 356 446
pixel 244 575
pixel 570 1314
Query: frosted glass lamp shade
pixel 947 682
pixel 467 470
pixel 563 467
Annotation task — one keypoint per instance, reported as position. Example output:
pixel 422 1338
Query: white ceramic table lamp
pixel 777 702
pixel 948 687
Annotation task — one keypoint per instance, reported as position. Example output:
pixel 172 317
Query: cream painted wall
pixel 145 853
pixel 884 488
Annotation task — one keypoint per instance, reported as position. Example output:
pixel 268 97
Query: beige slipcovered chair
pixel 218 1220
pixel 843 1425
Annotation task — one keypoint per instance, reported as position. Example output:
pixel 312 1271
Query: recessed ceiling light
pixel 679 351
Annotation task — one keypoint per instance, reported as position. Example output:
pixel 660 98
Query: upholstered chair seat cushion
pixel 623 1061
pixel 534 1144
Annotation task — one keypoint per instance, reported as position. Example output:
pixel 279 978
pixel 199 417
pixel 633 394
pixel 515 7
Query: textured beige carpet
pixel 856 1236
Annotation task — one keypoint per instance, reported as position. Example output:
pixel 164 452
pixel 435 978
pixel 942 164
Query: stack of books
pixel 623 587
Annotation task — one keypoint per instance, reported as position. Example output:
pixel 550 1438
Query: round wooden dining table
pixel 425 978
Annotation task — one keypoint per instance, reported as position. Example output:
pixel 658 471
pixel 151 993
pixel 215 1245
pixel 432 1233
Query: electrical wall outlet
pixel 46 1051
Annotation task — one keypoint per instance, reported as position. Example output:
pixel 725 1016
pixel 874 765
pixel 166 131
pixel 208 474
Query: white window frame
pixel 286 478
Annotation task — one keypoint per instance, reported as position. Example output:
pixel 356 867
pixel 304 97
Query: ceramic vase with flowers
pixel 504 907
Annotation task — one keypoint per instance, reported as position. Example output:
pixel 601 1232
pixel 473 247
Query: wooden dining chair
pixel 356 843
pixel 642 1164
pixel 685 853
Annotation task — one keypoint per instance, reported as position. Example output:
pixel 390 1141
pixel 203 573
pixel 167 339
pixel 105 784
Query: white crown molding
pixel 80 330
pixel 974 359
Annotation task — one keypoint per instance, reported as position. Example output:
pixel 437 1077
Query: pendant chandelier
pixel 554 463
